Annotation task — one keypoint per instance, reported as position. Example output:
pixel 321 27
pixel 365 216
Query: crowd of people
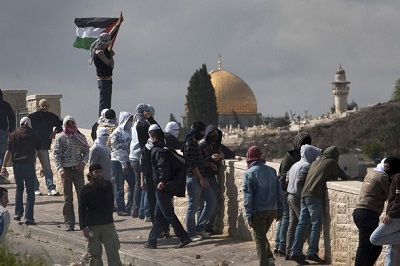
pixel 133 149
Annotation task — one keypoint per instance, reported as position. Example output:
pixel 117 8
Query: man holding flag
pixel 105 30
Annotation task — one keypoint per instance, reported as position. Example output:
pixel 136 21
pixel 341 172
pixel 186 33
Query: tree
pixel 396 91
pixel 201 103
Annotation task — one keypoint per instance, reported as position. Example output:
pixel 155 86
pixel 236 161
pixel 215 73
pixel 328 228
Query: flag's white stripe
pixel 89 32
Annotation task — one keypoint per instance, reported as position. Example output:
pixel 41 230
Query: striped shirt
pixel 193 157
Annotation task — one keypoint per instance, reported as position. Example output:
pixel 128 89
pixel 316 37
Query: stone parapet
pixel 16 98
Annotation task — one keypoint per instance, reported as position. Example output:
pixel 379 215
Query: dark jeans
pixel 366 221
pixel 24 173
pixel 164 214
pixel 282 227
pixel 137 190
pixel 261 223
pixel 105 89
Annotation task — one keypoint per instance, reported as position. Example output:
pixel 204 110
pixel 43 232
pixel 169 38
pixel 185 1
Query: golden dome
pixel 232 93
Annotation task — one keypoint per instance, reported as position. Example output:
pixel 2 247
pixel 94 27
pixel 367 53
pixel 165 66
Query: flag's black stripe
pixel 94 22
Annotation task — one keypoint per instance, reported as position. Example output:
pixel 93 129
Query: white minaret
pixel 340 90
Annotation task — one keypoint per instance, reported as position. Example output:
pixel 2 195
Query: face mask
pixel 103 139
pixel 174 133
pixel 199 136
pixel 213 138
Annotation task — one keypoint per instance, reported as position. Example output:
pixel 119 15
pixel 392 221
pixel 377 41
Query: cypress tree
pixel 201 103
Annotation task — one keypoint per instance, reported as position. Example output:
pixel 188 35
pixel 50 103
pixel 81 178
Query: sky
pixel 286 51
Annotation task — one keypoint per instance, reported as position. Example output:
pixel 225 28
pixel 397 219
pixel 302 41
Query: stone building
pixel 236 102
pixel 340 90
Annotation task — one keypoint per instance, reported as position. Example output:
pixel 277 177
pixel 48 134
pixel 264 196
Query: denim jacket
pixel 262 190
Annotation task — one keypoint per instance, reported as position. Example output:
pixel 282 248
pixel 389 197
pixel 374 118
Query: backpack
pixel 176 185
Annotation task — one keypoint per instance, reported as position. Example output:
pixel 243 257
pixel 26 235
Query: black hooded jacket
pixel 7 117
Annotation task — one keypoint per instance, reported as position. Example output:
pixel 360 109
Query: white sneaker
pixel 53 192
pixel 196 238
pixel 38 193
pixel 203 234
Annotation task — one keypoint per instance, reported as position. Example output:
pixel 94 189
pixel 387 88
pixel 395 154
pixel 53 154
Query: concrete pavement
pixel 133 233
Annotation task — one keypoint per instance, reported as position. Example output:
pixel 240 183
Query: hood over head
pixel 124 118
pixel 309 153
pixel 331 152
pixel 208 137
pixel 301 139
pixel 172 128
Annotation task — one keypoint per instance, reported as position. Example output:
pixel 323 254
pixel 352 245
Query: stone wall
pixel 339 237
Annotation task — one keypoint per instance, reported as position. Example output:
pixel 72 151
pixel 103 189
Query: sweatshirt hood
pixel 301 139
pixel 309 153
pixel 211 128
pixel 123 119
pixel 331 152
pixel 66 119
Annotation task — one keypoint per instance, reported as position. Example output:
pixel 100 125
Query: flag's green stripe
pixel 83 43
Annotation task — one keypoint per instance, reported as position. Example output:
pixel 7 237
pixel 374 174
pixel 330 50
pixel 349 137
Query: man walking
pixel 22 147
pixel 7 126
pixel 263 201
pixel 71 153
pixel 47 125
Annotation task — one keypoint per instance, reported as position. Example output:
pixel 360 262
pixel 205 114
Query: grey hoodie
pixel 299 170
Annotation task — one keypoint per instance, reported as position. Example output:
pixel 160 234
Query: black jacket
pixel 7 117
pixel 43 123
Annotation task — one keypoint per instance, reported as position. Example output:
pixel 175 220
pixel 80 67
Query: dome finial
pixel 219 62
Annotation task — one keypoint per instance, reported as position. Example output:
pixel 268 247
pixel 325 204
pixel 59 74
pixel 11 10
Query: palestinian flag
pixel 89 29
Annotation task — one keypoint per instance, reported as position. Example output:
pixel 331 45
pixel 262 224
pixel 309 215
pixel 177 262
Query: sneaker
pixel 211 231
pixel 165 235
pixel 184 243
pixel 17 218
pixel 147 245
pixel 69 228
pixel 147 219
pixel 196 238
pixel 300 259
pixel 141 217
pixel 30 222
pixel 122 214
pixel 53 192
pixel 316 258
pixel 203 234
pixel 38 193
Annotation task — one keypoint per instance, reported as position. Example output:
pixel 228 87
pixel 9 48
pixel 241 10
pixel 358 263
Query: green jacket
pixel 326 168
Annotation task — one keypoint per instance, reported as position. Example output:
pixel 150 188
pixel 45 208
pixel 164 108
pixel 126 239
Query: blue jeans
pixel 3 144
pixel 105 89
pixel 144 210
pixel 119 180
pixel 163 216
pixel 212 180
pixel 366 221
pixel 24 172
pixel 388 234
pixel 311 208
pixel 136 190
pixel 195 191
pixel 48 174
pixel 282 227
